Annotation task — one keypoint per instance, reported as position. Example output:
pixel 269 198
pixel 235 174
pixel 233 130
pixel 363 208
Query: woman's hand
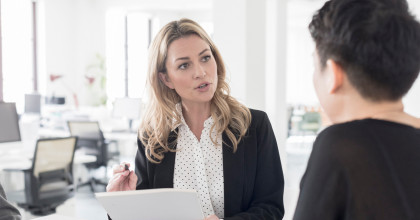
pixel 122 180
pixel 211 217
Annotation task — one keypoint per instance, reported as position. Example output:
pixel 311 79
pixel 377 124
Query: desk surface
pixel 56 217
pixel 117 136
pixel 17 155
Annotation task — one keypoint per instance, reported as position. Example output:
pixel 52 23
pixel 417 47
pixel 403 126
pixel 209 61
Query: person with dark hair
pixel 7 210
pixel 365 165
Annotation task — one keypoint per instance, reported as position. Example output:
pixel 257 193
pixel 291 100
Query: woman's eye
pixel 183 66
pixel 206 58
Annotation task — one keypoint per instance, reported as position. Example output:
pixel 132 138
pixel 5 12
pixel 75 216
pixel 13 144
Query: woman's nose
pixel 199 72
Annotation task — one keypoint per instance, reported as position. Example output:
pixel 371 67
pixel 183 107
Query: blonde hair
pixel 160 117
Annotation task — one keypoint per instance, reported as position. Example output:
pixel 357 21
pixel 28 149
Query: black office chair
pixel 91 140
pixel 49 181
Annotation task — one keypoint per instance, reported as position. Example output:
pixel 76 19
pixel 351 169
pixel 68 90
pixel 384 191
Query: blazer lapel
pixel 164 172
pixel 233 171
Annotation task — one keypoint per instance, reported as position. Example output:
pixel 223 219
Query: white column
pixel 239 32
pixel 229 37
pixel 255 63
pixel 279 79
pixel 251 36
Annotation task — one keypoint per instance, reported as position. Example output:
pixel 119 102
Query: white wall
pixel 240 37
pixel 229 37
pixel 74 34
pixel 412 99
pixel 252 40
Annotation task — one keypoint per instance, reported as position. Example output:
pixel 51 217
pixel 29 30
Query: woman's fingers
pixel 120 168
pixel 122 179
pixel 212 217
pixel 132 180
pixel 116 182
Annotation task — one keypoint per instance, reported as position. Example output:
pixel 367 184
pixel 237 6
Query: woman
pixel 194 135
pixel 366 165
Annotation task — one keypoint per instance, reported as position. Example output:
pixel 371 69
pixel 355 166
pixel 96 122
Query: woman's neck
pixel 387 110
pixel 195 115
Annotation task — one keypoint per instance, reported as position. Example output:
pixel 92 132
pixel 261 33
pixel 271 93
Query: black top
pixel 253 177
pixel 365 169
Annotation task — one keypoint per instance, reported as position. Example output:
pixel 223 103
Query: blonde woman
pixel 194 135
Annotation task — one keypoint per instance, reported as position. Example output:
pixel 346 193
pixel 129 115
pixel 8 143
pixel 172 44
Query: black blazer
pixel 253 176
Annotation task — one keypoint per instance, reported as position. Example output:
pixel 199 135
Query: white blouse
pixel 199 166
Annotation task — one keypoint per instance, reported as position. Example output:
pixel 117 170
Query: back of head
pixel 376 42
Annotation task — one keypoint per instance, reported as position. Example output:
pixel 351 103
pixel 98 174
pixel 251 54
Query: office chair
pixel 49 181
pixel 92 142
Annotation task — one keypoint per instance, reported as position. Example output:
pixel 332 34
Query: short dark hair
pixel 376 42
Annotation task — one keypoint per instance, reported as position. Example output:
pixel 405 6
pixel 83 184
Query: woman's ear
pixel 165 79
pixel 335 76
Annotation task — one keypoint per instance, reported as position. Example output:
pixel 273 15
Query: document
pixel 152 204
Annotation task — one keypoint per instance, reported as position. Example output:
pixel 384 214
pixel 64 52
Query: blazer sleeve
pixel 267 202
pixel 142 167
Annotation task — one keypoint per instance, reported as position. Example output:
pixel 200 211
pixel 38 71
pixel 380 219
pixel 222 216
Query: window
pixel 137 51
pixel 17 49
pixel 141 29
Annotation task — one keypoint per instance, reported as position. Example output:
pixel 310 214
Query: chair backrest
pixel 85 130
pixel 90 139
pixel 53 154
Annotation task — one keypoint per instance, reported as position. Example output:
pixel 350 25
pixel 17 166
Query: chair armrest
pixel 107 141
pixel 17 169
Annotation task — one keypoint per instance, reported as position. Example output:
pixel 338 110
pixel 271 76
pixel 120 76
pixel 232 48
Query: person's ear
pixel 336 76
pixel 165 79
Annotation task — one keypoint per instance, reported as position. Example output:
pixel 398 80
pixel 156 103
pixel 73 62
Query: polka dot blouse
pixel 199 166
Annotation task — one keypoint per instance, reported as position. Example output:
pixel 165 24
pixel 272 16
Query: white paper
pixel 152 204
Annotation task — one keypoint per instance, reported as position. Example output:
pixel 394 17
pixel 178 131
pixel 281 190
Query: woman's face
pixel 191 70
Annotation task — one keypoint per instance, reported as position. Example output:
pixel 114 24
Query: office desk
pixel 18 155
pixel 109 135
pixel 56 217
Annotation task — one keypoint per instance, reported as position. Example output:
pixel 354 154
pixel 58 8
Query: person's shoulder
pixel 341 130
pixel 344 139
pixel 257 114
pixel 258 118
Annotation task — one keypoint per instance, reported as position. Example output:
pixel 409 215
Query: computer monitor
pixel 85 129
pixel 33 103
pixel 9 123
pixel 55 100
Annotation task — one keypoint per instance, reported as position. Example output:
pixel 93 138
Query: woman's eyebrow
pixel 203 51
pixel 187 58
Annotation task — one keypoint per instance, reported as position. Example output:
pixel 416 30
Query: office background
pixel 93 52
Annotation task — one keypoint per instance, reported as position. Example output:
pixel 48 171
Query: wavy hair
pixel 160 117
